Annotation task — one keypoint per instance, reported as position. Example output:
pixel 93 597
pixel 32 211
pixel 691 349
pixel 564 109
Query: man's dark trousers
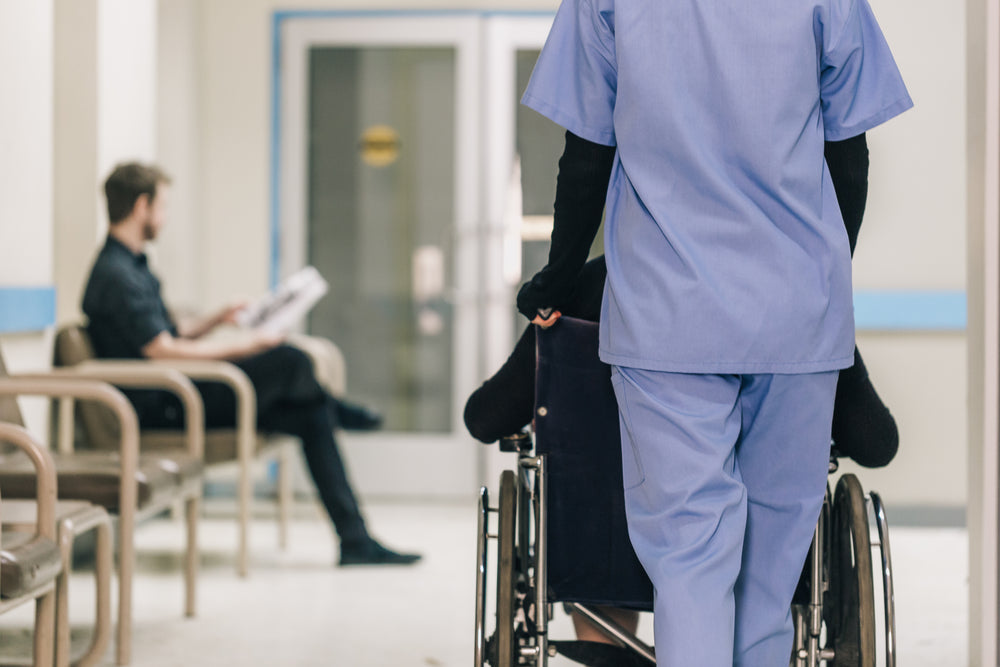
pixel 289 400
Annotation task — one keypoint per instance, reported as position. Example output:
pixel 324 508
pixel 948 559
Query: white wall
pixel 178 143
pixel 105 113
pixel 913 236
pixel 26 67
pixel 26 143
pixel 126 82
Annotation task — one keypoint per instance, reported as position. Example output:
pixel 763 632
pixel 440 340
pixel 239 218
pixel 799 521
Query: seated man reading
pixel 127 319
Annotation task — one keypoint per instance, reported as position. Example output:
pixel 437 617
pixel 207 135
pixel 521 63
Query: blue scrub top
pixel 725 246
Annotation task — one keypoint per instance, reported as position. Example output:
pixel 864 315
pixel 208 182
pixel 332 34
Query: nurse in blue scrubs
pixel 727 310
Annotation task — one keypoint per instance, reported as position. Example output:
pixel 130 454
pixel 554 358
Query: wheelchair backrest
pixel 576 426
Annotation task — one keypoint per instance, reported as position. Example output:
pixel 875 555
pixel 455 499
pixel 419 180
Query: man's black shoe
pixel 357 418
pixel 373 553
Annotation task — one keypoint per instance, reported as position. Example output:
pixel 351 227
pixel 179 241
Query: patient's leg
pixel 587 631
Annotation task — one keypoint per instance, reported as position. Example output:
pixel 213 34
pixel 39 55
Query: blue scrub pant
pixel 724 479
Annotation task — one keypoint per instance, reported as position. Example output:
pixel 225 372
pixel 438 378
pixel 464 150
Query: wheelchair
pixel 561 536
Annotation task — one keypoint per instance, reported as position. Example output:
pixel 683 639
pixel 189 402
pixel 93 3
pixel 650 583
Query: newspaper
pixel 283 308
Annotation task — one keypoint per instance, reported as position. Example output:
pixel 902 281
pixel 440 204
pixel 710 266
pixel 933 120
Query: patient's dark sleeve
pixel 848 164
pixel 505 403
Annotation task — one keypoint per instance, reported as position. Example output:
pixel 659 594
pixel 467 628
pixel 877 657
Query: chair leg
pixel 245 499
pixel 103 565
pixel 191 556
pixel 67 531
pixel 64 535
pixel 45 630
pixel 284 494
pixel 126 566
pixel 175 511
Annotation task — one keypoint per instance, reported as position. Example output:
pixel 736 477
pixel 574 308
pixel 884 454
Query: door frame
pixel 504 36
pixel 295 33
pixel 984 353
pixel 485 43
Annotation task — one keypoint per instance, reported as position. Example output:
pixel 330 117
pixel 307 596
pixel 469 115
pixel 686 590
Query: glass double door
pixel 398 182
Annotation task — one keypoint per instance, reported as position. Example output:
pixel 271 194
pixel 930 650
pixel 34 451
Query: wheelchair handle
pixel 518 442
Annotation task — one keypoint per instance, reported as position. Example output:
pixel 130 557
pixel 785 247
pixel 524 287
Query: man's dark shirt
pixel 125 311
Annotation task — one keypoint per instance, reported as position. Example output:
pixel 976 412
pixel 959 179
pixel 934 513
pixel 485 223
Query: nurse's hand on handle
pixel 546 317
pixel 581 188
pixel 538 297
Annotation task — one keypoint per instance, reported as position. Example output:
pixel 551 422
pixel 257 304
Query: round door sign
pixel 379 145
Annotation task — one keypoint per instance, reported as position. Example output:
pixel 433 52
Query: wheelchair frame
pixel 836 626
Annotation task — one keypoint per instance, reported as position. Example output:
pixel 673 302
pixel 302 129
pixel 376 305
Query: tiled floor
pixel 298 610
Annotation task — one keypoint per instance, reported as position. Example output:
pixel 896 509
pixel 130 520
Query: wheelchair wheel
pixel 888 595
pixel 850 603
pixel 506 580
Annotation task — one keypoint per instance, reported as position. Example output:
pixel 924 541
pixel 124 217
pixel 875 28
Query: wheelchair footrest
pixel 597 654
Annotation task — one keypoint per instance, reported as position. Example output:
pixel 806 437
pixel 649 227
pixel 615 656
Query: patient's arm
pixel 197 328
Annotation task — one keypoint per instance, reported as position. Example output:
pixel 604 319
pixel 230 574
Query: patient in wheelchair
pixel 504 405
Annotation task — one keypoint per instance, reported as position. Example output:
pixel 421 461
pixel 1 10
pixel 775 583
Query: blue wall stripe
pixel 905 310
pixel 25 309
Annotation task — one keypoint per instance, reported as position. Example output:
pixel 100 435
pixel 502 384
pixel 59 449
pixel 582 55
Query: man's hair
pixel 127 183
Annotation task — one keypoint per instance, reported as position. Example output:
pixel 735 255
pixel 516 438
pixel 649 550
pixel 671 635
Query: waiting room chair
pixel 29 561
pixel 74 518
pixel 125 483
pixel 242 445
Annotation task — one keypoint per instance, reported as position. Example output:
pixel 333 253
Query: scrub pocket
pixel 633 474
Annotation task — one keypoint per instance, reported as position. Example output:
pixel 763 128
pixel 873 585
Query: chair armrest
pixel 58 387
pixel 46 468
pixel 211 371
pixel 219 371
pixel 144 375
pixel 328 362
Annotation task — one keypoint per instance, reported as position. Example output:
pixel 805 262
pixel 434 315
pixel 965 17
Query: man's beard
pixel 149 230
